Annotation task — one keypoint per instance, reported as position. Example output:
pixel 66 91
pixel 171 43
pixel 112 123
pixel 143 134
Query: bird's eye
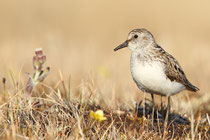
pixel 135 36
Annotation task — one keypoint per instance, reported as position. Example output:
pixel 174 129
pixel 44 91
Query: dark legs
pixel 168 109
pixel 167 117
pixel 153 101
pixel 167 113
pixel 169 105
pixel 153 109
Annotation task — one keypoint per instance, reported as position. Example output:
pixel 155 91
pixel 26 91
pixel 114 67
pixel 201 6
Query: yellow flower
pixel 98 115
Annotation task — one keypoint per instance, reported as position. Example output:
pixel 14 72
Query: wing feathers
pixel 174 71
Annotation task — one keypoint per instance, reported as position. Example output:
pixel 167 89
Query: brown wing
pixel 175 73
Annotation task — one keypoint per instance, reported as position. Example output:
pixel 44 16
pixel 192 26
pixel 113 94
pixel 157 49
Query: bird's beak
pixel 123 45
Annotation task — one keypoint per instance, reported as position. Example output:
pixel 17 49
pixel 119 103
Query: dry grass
pixel 32 111
pixel 52 114
pixel 78 39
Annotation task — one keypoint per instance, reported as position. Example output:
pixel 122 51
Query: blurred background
pixel 78 38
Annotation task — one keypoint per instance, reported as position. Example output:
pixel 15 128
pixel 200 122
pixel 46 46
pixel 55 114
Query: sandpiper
pixel 153 69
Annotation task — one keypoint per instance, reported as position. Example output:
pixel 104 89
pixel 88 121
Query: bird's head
pixel 137 39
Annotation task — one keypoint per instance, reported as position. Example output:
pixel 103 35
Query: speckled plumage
pixel 153 69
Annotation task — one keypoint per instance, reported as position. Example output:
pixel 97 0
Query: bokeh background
pixel 78 38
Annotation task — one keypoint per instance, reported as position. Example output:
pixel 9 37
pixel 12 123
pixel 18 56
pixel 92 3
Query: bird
pixel 154 70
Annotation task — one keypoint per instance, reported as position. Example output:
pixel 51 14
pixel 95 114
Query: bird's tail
pixel 191 87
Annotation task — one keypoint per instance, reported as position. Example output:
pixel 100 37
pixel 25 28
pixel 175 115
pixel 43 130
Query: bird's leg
pixel 153 102
pixel 167 114
pixel 169 105
pixel 153 109
pixel 161 102
pixel 144 109
pixel 168 111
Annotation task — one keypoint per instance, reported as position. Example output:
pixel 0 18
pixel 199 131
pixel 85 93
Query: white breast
pixel 151 78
